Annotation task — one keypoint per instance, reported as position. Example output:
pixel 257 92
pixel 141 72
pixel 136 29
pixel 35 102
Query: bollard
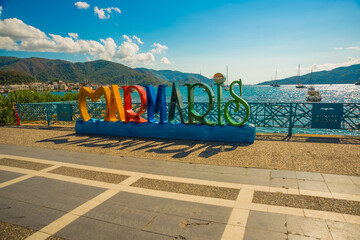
pixel 17 115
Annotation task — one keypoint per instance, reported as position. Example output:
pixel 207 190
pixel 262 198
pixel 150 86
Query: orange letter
pixel 94 96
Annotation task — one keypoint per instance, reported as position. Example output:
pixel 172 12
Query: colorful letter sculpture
pixel 121 120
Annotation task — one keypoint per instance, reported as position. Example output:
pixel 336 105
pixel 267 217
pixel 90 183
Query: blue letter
pixel 158 104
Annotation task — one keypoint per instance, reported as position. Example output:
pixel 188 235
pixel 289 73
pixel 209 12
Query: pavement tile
pixel 253 180
pixel 337 178
pixel 155 204
pixel 132 200
pixel 27 215
pixel 266 221
pixel 299 237
pixel 256 234
pixel 344 188
pixel 199 230
pixel 309 176
pixel 283 174
pixel 313 185
pixel 307 227
pixel 258 172
pixel 340 230
pixel 91 229
pixel 50 193
pixel 284 183
pixel 162 216
pixel 212 213
pixel 6 176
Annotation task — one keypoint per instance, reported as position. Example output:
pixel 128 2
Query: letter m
pixel 156 104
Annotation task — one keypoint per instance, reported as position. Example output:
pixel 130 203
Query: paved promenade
pixel 56 194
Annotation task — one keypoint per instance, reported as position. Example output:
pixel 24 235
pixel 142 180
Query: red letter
pixel 130 115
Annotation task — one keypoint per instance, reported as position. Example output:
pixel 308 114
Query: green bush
pixel 7 112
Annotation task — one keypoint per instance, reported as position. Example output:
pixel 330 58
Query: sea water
pixel 336 93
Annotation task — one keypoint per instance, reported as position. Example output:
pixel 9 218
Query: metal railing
pixel 282 115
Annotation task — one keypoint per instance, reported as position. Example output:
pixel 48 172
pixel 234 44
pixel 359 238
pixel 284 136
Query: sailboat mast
pixel 298 75
pixel 227 75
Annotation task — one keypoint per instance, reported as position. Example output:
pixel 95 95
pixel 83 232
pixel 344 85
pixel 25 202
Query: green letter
pixel 193 114
pixel 238 100
pixel 176 100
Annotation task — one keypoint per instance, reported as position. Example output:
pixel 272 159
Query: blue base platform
pixel 227 133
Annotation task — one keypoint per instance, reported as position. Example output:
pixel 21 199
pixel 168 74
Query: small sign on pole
pixel 325 115
pixel 64 112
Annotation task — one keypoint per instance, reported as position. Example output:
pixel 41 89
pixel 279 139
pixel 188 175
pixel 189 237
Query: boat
pixel 275 84
pixel 311 87
pixel 299 85
pixel 313 96
pixel 357 83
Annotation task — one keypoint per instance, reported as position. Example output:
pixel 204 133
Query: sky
pixel 254 39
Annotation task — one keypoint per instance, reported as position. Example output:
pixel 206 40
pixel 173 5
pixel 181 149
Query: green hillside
pixel 342 75
pixel 11 77
pixel 176 76
pixel 100 71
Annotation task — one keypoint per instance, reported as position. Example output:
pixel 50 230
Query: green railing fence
pixel 283 115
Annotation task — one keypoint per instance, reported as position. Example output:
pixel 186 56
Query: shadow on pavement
pixel 309 138
pixel 176 148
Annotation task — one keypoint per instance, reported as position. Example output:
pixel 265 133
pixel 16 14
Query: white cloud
pixel 353 48
pixel 18 30
pixel 82 5
pixel 101 12
pixel 18 36
pixel 158 48
pixel 164 60
pixel 330 66
pixel 1 8
pixel 338 48
pixel 74 35
pixel 137 39
pixel 8 44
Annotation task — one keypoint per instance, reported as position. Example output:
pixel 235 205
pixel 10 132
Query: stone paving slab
pixel 27 214
pixel 50 193
pixel 262 225
pixel 6 176
pixel 161 217
pixel 91 229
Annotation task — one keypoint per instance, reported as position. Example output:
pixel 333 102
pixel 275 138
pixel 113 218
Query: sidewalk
pixel 75 195
pixel 333 155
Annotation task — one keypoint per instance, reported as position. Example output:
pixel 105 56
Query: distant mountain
pixel 176 76
pixel 100 71
pixel 12 77
pixel 341 75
